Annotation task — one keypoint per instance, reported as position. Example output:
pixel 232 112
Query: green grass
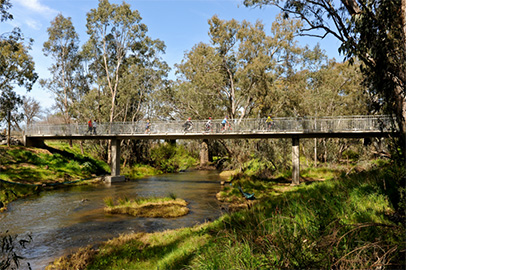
pixel 314 226
pixel 25 169
pixel 139 171
pixel 340 223
pixel 37 166
pixel 155 207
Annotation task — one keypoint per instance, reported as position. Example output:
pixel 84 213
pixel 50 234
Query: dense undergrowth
pixel 347 222
pixel 171 158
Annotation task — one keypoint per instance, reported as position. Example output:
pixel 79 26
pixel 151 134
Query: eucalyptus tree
pixel 16 64
pixel 63 47
pixel 200 86
pixel 125 64
pixel 16 68
pixel 235 74
pixel 372 31
pixel 31 110
pixel 113 30
pixel 146 73
pixel 4 14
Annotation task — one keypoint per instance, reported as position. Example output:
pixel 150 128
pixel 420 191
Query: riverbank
pixel 26 171
pixel 345 220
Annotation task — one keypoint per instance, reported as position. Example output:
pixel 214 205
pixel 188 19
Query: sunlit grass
pixel 139 171
pixel 30 168
pixel 341 223
pixel 163 207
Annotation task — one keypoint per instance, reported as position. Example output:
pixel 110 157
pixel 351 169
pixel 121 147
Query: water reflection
pixel 66 219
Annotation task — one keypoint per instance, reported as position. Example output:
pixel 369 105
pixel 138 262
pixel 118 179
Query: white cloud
pixel 32 13
pixel 33 24
pixel 36 6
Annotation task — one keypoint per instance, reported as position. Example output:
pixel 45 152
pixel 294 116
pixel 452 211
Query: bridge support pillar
pixel 295 154
pixel 204 153
pixel 115 165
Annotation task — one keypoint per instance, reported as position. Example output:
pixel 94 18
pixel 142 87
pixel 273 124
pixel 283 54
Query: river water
pixel 63 220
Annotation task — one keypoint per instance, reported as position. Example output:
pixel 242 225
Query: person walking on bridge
pixel 147 127
pixel 89 130
pixel 94 126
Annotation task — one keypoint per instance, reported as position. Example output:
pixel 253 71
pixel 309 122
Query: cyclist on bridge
pixel 269 122
pixel 208 125
pixel 188 125
pixel 225 124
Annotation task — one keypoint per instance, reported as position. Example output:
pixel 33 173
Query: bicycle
pixel 187 126
pixel 227 127
pixel 207 128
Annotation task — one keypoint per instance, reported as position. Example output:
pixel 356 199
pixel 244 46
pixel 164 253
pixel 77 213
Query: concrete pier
pixel 296 160
pixel 115 165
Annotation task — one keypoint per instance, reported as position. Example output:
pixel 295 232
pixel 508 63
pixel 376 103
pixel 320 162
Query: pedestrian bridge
pixel 294 128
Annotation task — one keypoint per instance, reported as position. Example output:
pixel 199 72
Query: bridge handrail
pixel 250 125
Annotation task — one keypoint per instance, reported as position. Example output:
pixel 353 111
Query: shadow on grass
pixel 140 251
pixel 98 169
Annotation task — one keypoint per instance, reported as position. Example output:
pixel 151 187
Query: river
pixel 63 220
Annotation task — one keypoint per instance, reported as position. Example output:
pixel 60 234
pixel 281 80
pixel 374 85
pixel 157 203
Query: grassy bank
pixel 343 222
pixel 158 207
pixel 26 170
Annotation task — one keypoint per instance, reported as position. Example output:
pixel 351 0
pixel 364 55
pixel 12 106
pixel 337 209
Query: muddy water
pixel 63 220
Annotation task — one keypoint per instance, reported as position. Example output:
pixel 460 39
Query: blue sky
pixel 179 23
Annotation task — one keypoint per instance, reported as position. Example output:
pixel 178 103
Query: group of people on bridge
pixel 187 126
pixel 226 125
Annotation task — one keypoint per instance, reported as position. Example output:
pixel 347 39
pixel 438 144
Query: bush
pixel 169 158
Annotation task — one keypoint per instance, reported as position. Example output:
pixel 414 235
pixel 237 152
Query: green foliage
pixel 350 154
pixel 134 70
pixel 138 171
pixel 171 158
pixel 67 82
pixel 109 201
pixel 17 65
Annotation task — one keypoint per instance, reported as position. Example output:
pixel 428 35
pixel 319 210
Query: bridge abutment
pixel 33 142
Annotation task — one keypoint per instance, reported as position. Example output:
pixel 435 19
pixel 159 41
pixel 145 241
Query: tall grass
pixel 338 224
pixel 334 224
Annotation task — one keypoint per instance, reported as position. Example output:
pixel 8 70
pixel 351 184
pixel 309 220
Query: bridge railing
pixel 282 125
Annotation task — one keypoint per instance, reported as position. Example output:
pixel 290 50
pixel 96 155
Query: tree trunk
pixel 9 129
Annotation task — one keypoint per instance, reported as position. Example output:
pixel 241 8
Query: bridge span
pixel 292 128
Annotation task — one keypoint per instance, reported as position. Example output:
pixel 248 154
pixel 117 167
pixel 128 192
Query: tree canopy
pixel 373 31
